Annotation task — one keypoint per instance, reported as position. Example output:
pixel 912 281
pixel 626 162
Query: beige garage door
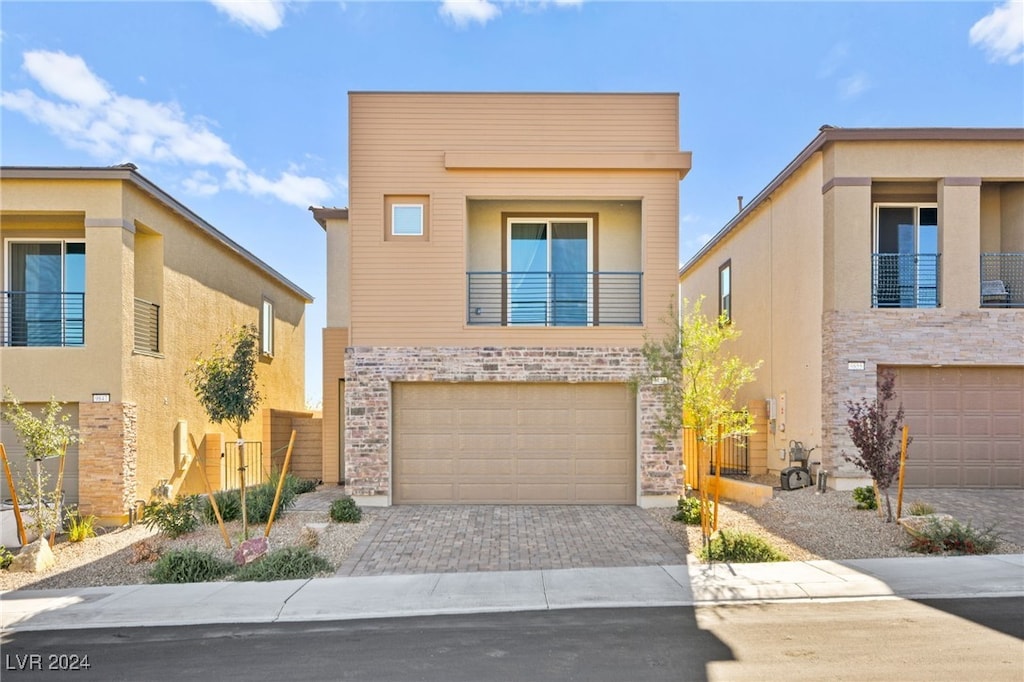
pixel 22 468
pixel 967 425
pixel 514 444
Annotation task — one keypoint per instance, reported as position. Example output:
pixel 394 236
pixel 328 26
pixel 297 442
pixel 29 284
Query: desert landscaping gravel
pixel 802 524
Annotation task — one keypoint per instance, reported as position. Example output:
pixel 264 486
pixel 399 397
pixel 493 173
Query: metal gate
pixel 254 470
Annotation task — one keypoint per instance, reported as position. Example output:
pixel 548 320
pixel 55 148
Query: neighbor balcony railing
pixel 39 318
pixel 147 326
pixel 1002 280
pixel 554 299
pixel 905 280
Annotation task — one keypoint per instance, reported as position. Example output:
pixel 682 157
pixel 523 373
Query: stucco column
pixel 109 297
pixel 847 243
pixel 960 242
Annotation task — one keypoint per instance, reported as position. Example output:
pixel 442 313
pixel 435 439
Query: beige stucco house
pixel 111 288
pixel 878 249
pixel 489 288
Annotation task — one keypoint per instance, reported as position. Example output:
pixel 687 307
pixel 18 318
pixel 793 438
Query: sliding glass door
pixel 549 266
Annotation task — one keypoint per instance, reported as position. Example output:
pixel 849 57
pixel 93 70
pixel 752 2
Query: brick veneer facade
pixel 107 457
pixel 371 370
pixel 907 337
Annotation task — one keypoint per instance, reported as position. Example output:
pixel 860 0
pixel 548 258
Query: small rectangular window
pixel 406 217
pixel 725 291
pixel 267 328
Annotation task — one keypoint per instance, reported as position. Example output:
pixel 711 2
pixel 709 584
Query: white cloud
pixel 297 190
pixel 201 183
pixel 837 55
pixel 67 77
pixel 463 12
pixel 853 86
pixel 85 113
pixel 261 16
pixel 1001 33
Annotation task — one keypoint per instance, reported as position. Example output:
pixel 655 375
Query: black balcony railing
pixel 905 280
pixel 554 299
pixel 1002 280
pixel 38 318
pixel 147 326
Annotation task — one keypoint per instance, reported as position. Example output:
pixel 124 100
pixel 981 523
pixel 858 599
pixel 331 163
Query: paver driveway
pixel 447 539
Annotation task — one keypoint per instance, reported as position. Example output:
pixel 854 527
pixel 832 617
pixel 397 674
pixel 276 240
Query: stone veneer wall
pixel 371 370
pixel 915 337
pixel 108 453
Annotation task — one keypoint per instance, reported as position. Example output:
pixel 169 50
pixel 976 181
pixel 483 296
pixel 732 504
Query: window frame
pixel 267 330
pixel 399 201
pixel 9 271
pixel 725 303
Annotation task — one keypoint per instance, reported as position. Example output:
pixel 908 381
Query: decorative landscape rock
pixel 251 550
pixel 35 557
pixel 915 525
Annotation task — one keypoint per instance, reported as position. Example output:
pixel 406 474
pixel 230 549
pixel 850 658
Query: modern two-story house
pixel 875 250
pixel 111 289
pixel 489 287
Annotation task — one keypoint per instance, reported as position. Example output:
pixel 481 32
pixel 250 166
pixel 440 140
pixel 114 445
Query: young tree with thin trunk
pixel 697 380
pixel 874 434
pixel 225 384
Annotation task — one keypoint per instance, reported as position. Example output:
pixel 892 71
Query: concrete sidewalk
pixel 499 591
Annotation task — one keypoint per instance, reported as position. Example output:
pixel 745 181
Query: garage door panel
pixel 526 444
pixel 428 417
pixel 967 424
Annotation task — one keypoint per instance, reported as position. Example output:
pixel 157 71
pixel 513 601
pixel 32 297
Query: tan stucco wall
pixel 817 229
pixel 135 245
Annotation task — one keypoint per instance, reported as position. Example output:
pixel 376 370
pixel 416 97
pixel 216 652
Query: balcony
pixel 147 326
pixel 1002 280
pixel 905 280
pixel 39 318
pixel 554 299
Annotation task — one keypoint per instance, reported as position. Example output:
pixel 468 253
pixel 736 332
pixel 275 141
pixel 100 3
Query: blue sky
pixel 238 109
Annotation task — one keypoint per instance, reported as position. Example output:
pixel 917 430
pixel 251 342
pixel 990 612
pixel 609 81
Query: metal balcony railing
pixel 554 299
pixel 39 318
pixel 147 326
pixel 905 280
pixel 1002 280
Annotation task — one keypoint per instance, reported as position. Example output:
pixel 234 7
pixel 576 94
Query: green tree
pixel 225 384
pixel 697 379
pixel 43 437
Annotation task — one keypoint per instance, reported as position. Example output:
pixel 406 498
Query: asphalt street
pixel 945 639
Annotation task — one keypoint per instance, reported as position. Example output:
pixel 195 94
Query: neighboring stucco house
pixel 111 289
pixel 489 287
pixel 877 249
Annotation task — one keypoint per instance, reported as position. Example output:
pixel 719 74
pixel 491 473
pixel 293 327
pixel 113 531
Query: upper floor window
pixel 406 217
pixel 725 290
pixel 549 262
pixel 905 264
pixel 267 328
pixel 44 301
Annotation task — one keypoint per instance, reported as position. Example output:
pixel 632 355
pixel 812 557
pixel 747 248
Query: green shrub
pixel 80 527
pixel 5 557
pixel 740 547
pixel 919 508
pixel 954 537
pixel 864 496
pixel 189 566
pixel 229 502
pixel 688 510
pixel 260 499
pixel 173 518
pixel 303 485
pixel 344 510
pixel 288 563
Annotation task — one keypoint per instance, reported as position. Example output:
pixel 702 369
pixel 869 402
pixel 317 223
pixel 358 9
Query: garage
pixel 23 469
pixel 967 426
pixel 505 443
